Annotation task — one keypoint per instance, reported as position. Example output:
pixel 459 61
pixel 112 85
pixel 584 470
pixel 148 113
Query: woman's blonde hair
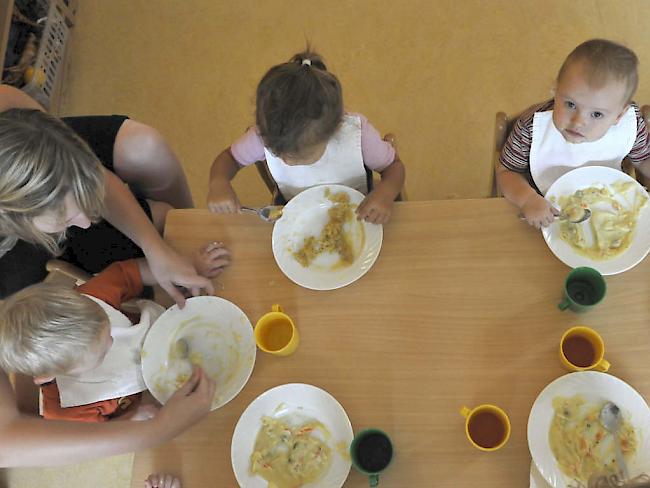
pixel 45 329
pixel 41 161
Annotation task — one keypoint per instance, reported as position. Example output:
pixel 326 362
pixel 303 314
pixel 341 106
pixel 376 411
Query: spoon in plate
pixel 610 417
pixel 572 217
pixel 270 213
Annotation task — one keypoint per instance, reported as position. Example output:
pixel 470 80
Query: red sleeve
pixel 641 149
pixel 93 412
pixel 118 283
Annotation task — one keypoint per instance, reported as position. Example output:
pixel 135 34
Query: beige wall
pixel 434 72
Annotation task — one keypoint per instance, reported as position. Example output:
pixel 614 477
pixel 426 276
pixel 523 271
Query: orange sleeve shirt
pixel 118 283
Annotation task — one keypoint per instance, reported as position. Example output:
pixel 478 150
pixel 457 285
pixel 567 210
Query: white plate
pixel 594 387
pixel 536 479
pixel 585 177
pixel 306 215
pixel 301 403
pixel 215 329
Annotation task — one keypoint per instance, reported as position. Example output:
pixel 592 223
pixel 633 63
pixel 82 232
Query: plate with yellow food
pixel 210 332
pixel 291 436
pixel 617 235
pixel 568 442
pixel 318 243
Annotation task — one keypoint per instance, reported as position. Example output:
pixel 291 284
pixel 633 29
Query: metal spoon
pixel 270 213
pixel 181 349
pixel 563 216
pixel 610 417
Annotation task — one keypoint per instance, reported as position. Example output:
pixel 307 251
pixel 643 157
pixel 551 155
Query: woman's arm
pixel 11 97
pixel 168 268
pixel 32 441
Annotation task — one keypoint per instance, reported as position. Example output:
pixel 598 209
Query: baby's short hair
pixel 605 60
pixel 45 329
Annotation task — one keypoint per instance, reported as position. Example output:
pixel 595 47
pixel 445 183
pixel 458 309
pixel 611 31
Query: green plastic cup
pixel 371 452
pixel 583 288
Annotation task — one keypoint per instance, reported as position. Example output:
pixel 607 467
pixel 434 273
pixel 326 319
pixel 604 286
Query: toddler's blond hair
pixel 41 161
pixel 606 60
pixel 45 329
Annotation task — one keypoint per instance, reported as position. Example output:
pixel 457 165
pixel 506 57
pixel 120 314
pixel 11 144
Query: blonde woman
pixel 51 181
pixel 65 185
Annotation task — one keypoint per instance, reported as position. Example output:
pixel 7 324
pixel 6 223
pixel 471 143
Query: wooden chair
pixel 276 195
pixel 503 125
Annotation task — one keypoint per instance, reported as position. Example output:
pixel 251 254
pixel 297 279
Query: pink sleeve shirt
pixel 377 154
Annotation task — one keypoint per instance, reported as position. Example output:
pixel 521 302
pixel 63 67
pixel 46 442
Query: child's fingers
pixel 152 481
pixel 191 384
pixel 218 263
pixel 370 215
pixel 210 246
pixel 362 209
pixel 213 273
pixel 218 252
pixel 168 481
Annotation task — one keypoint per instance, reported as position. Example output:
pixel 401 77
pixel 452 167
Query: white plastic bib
pixel 342 163
pixel 551 155
pixel 120 374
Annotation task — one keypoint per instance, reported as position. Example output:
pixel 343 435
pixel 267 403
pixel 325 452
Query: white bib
pixel 342 163
pixel 551 155
pixel 120 374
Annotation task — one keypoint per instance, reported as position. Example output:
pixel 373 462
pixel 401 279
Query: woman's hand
pixel 171 270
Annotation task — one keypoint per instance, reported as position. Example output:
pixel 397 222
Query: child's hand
pixel 222 198
pixel 210 260
pixel 376 207
pixel 162 481
pixel 538 211
pixel 189 404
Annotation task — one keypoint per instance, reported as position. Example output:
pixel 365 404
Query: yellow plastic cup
pixel 488 427
pixel 581 337
pixel 276 333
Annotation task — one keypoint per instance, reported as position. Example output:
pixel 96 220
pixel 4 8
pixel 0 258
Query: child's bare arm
pixel 537 210
pixel 32 441
pixel 221 195
pixel 378 205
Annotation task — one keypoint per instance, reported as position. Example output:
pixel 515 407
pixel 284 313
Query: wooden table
pixel 459 309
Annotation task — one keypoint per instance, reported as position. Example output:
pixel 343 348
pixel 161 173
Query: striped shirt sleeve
pixel 515 154
pixel 641 149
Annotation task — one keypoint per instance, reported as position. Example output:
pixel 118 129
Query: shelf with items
pixel 35 37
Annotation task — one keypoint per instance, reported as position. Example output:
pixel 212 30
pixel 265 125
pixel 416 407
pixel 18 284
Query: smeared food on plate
pixel 335 238
pixel 201 347
pixel 614 212
pixel 290 456
pixel 580 443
